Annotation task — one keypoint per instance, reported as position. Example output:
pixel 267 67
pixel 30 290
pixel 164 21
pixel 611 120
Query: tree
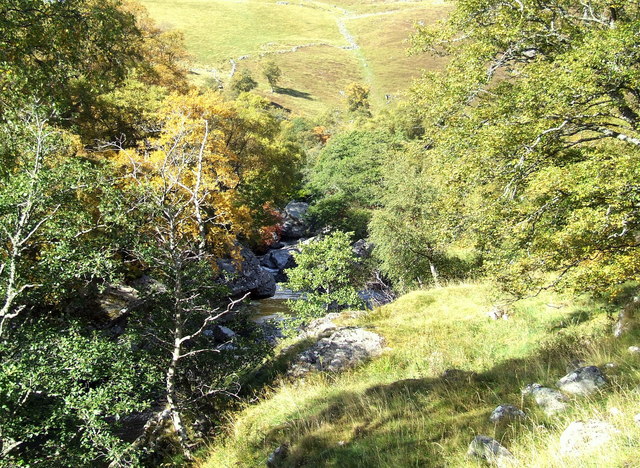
pixel 52 50
pixel 534 124
pixel 327 274
pixel 244 83
pixel 271 71
pixel 358 98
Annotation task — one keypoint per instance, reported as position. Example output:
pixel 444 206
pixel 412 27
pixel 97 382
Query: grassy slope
pixel 397 410
pixel 219 30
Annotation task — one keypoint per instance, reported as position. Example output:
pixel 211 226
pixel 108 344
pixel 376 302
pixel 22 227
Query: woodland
pixel 515 162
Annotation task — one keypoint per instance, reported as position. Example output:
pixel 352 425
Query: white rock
pixel 634 349
pixel 490 450
pixel 581 437
pixel 551 401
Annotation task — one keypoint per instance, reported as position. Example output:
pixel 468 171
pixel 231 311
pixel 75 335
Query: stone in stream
pixel 583 381
pixel 488 449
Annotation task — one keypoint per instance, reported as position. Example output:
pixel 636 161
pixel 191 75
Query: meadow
pixel 401 409
pixel 312 42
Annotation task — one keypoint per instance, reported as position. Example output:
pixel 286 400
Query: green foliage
pixel 271 71
pixel 53 49
pixel 63 391
pixel 327 274
pixel 347 176
pixel 244 83
pixel 358 98
pixel 532 138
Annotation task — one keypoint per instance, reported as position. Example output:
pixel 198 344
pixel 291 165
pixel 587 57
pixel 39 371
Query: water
pixel 273 308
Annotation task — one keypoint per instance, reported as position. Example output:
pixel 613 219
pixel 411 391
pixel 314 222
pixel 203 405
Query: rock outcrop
pixel 344 348
pixel 246 276
pixel 295 226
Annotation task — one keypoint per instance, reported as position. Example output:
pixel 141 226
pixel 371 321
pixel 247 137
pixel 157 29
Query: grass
pixel 399 411
pixel 217 31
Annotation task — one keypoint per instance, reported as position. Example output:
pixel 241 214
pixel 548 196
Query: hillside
pixel 320 47
pixel 407 408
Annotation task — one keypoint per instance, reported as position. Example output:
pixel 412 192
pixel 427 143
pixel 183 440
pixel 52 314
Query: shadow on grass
pixel 414 422
pixel 294 93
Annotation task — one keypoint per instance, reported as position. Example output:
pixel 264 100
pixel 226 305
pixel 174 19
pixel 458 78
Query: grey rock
pixel 278 456
pixel 362 248
pixel 504 413
pixel 295 226
pixel 321 327
pixel 581 437
pixel 344 348
pixel 583 381
pixel 246 276
pixel 549 400
pixel 221 333
pixel 488 449
pixel 117 300
pixel 296 210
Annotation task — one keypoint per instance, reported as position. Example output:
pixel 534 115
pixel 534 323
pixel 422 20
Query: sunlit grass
pixel 398 411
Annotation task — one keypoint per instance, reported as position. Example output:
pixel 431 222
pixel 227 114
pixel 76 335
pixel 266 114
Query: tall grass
pixel 399 410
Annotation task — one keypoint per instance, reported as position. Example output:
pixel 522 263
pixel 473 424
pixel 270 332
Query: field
pixel 320 47
pixel 401 410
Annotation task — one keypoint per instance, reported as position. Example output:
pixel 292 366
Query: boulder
pixel 362 248
pixel 344 348
pixel 488 449
pixel 505 413
pixel 581 437
pixel 246 276
pixel 116 301
pixel 551 401
pixel 582 381
pixel 295 225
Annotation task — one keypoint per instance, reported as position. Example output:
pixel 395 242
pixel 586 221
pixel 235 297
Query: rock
pixel 634 349
pixel 498 313
pixel 362 249
pixel 551 401
pixel 636 418
pixel 295 225
pixel 321 326
pixel 222 334
pixel 373 298
pixel 344 348
pixel 117 301
pixel 490 450
pixel 278 456
pixel 248 277
pixel 505 413
pixel 582 381
pixel 581 437
pixel 627 320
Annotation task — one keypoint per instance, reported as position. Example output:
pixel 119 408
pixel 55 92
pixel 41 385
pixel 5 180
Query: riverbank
pixel 448 366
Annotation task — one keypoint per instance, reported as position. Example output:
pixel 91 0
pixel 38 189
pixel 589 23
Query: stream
pixel 272 308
